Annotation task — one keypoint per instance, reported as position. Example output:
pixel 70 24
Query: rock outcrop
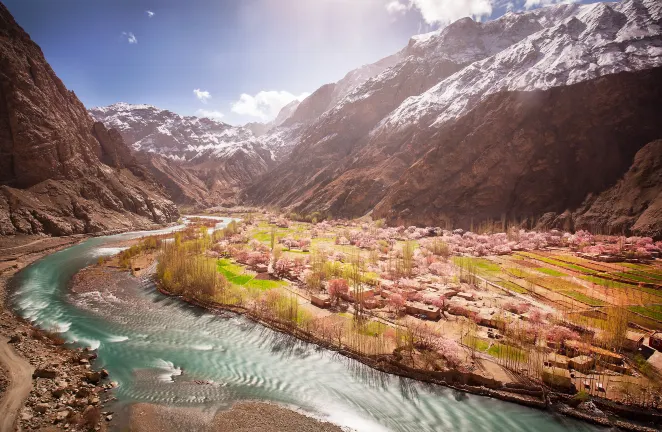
pixel 60 173
pixel 633 205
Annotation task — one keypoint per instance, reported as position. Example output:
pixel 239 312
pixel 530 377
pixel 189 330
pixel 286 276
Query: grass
pixel 502 351
pixel 653 311
pixel 591 301
pixel 229 269
pixel 512 286
pixel 607 282
pixel 638 277
pixel 559 263
pixel 518 272
pixel 550 272
pixel 373 328
pixel 481 264
pixel 236 275
pixel 296 251
pixel 556 284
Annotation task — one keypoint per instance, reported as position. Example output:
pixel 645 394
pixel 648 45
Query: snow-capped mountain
pixel 201 151
pixel 184 138
pixel 595 40
pixel 426 140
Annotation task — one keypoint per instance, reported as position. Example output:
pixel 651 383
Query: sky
pixel 236 61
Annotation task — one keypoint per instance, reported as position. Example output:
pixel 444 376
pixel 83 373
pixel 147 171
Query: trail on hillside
pixel 20 383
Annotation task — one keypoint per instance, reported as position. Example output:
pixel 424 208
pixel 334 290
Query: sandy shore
pixel 242 417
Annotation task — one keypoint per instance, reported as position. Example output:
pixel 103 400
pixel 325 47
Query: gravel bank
pixel 242 417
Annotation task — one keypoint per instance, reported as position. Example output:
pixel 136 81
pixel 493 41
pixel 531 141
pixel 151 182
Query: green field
pixel 591 301
pixel 236 275
pixel 653 311
pixel 550 272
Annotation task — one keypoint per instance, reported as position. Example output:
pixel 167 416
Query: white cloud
pixel 202 95
pixel 213 115
pixel 130 37
pixel 435 12
pixel 530 4
pixel 149 13
pixel 447 11
pixel 395 7
pixel 264 105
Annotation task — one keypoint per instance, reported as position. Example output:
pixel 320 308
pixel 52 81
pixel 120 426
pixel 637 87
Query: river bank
pixel 42 382
pixel 241 417
pixel 527 395
pixel 48 384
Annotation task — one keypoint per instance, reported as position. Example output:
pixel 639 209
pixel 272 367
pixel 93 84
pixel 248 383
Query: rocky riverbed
pixel 66 392
pixel 242 417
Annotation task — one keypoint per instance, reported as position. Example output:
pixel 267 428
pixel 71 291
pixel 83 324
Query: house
pixel 466 295
pixel 656 341
pixel 577 348
pixel 261 268
pixel 557 377
pixel 633 340
pixel 373 303
pixel 321 300
pixel 418 308
pixel 557 360
pixel 582 363
pixel 361 294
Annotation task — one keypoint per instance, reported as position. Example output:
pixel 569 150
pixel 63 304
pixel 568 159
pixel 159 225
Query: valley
pixel 463 233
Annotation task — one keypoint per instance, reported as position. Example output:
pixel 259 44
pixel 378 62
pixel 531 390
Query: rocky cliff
pixel 60 172
pixel 634 204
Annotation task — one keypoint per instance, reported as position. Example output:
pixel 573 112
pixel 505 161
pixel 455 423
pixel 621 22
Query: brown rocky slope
pixel 523 154
pixel 60 173
pixel 634 202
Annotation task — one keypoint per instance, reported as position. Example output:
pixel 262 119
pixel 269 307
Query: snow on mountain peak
pixel 587 42
pixel 179 138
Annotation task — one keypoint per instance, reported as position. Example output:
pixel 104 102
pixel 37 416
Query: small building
pixel 373 303
pixel 557 360
pixel 261 268
pixel 582 363
pixel 417 308
pixel 557 378
pixel 633 340
pixel 361 294
pixel 622 369
pixel 465 295
pixel 321 300
pixel 656 341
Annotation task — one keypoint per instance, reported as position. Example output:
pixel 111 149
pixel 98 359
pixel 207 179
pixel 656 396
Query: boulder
pixel 93 377
pixel 44 373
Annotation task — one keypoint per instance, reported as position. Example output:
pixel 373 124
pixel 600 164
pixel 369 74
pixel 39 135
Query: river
pixel 159 349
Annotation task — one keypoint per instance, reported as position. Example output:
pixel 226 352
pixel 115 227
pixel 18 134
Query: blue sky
pixel 160 52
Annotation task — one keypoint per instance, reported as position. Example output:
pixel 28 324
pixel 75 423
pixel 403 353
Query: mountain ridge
pixel 349 173
pixel 60 172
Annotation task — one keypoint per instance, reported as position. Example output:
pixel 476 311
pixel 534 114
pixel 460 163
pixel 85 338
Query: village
pixel 576 313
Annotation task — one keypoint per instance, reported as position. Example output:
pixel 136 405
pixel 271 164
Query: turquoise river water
pixel 157 347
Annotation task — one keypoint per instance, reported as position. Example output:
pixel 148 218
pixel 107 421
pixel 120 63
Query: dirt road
pixel 20 384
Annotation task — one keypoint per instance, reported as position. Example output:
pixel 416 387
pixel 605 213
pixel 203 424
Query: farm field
pixel 435 299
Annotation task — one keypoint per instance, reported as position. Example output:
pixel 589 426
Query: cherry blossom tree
pixel 337 288
pixel 559 334
pixel 451 352
pixel 396 302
